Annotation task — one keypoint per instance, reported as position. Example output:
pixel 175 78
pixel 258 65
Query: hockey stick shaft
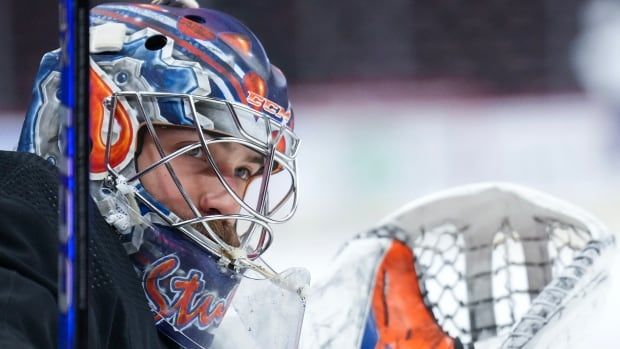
pixel 73 234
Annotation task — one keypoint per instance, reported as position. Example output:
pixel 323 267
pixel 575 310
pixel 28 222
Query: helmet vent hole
pixel 195 18
pixel 155 42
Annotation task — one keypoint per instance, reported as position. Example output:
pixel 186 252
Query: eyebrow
pixel 257 159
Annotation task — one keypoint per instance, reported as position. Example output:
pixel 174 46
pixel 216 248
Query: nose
pixel 215 199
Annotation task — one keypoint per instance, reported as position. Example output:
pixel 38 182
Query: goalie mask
pixel 158 71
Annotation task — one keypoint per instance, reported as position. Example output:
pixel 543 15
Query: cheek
pixel 159 184
pixel 192 174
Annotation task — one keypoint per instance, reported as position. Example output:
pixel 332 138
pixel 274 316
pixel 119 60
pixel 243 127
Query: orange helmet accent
pixel 194 30
pixel 119 151
pixel 238 42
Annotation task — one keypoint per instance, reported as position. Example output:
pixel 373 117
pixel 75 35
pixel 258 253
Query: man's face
pixel 237 164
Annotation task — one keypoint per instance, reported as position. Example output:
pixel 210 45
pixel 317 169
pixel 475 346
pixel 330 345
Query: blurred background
pixel 401 98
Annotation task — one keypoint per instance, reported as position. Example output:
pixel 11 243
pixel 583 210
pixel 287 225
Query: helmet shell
pixel 164 49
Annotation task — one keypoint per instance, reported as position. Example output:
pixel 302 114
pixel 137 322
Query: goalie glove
pixel 459 268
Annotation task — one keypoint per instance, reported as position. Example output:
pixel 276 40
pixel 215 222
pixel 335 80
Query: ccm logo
pixel 268 106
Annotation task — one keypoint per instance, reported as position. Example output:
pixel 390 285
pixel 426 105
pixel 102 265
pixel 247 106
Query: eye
pixel 243 173
pixel 196 153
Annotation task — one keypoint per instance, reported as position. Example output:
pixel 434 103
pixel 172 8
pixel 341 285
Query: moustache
pixel 224 230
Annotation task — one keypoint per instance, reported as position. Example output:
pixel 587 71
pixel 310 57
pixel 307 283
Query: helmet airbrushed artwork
pixel 156 67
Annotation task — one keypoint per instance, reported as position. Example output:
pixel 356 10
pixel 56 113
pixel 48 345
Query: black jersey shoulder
pixel 118 313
